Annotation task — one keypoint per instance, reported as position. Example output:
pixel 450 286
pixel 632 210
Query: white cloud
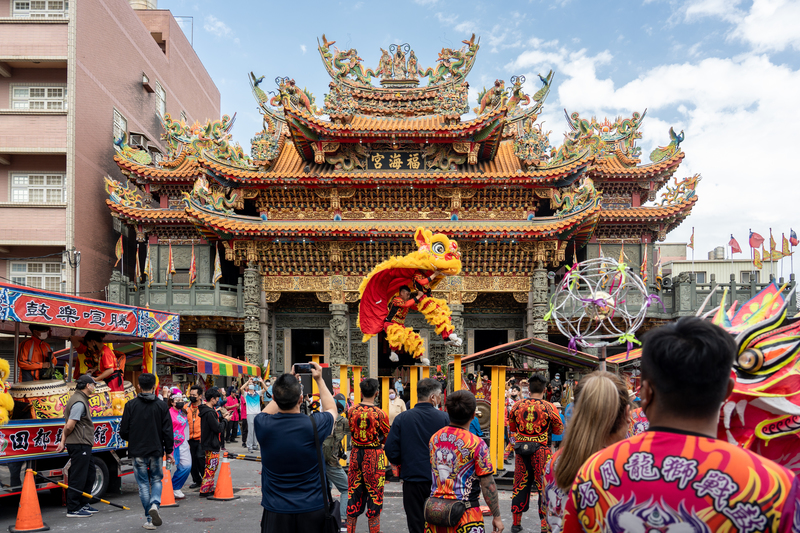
pixel 771 25
pixel 734 112
pixel 426 2
pixel 218 28
pixel 303 48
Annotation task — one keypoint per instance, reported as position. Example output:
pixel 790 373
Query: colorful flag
pixel 118 250
pixel 622 253
pixel 138 266
pixel 659 272
pixel 757 259
pixel 734 244
pixel 691 240
pixel 192 269
pixel 786 251
pixel 756 240
pixel 773 246
pixel 793 238
pixel 217 266
pixel 171 264
pixel 148 364
pixel 148 267
pixel 643 267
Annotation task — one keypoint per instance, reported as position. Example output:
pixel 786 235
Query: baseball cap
pixel 83 380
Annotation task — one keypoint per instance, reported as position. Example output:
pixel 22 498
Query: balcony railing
pixel 200 299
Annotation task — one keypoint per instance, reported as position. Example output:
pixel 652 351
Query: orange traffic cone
pixel 224 490
pixel 29 516
pixel 167 495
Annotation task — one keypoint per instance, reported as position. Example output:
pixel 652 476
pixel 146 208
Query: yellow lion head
pixel 439 251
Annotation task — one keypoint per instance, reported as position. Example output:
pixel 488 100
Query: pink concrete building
pixel 74 76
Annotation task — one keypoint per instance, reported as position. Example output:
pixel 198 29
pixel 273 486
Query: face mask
pixel 42 335
pixel 193 399
pixel 179 405
pixel 352 398
pixel 392 396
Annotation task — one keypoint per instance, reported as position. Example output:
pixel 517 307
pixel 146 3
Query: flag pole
pixel 771 256
pixel 693 273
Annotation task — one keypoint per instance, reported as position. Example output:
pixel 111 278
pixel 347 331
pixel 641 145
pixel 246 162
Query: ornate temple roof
pixel 407 134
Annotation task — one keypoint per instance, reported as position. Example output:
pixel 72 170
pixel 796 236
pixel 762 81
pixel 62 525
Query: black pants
pixel 198 461
pixel 232 430
pixel 414 495
pixel 243 421
pixel 311 522
pixel 81 475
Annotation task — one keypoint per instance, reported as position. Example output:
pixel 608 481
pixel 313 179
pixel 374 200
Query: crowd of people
pixel 600 476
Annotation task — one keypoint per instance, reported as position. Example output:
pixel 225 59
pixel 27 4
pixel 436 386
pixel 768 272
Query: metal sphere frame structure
pixel 592 305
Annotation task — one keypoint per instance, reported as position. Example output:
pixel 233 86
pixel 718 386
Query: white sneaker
pixel 394 357
pixel 179 495
pixel 425 361
pixel 154 515
pixel 149 525
pixel 453 340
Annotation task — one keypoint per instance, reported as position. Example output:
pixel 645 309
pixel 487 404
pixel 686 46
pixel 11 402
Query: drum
pixel 47 398
pixel 130 391
pixel 99 402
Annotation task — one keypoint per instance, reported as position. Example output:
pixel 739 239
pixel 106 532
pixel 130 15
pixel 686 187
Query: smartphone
pixel 302 368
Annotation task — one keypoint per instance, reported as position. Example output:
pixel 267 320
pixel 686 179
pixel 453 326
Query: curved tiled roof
pixel 188 170
pixel 611 167
pixel 648 213
pixel 155 215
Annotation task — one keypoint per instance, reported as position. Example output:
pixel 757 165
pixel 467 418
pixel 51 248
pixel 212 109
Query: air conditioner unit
pixel 179 378
pixel 138 140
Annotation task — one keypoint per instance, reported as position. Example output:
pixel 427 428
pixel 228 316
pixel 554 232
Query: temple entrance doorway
pixel 305 342
pixel 489 338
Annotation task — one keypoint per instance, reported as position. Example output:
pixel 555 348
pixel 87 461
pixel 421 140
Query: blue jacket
pixel 475 427
pixel 408 440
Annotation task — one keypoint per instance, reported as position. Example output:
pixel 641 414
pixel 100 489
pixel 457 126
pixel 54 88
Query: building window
pixel 31 97
pixel 120 125
pixel 161 100
pixel 40 8
pixel 748 275
pixel 45 276
pixel 38 188
pixel 700 277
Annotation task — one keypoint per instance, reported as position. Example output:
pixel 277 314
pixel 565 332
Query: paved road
pixel 195 515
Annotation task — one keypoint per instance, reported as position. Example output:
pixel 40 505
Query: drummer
pixel 35 357
pixel 107 366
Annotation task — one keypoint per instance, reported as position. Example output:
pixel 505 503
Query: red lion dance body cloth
pixel 382 309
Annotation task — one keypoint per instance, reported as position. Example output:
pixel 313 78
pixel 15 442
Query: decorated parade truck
pixel 32 412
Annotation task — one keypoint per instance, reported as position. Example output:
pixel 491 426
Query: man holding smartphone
pixel 291 490
pixel 252 401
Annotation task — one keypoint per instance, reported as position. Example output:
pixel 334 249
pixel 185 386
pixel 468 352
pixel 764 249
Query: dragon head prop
pixel 763 413
pixel 435 251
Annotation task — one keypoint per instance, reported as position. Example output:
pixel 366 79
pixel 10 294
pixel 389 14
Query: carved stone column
pixel 458 325
pixel 537 325
pixel 339 344
pixel 207 339
pixel 252 328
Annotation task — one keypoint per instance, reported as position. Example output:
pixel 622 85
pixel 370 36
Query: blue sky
pixel 727 72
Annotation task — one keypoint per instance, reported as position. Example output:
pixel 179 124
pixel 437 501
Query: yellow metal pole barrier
pixel 344 382
pixel 426 372
pixel 457 372
pixel 316 358
pixel 413 378
pixel 344 388
pixel 501 417
pixel 494 427
pixel 385 394
pixel 357 383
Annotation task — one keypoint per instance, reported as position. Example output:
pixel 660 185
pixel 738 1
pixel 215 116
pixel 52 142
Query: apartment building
pixel 73 77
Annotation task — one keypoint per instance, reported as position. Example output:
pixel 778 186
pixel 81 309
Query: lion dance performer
pixel 386 295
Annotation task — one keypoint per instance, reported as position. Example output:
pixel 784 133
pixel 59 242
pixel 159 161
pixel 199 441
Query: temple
pixel 327 193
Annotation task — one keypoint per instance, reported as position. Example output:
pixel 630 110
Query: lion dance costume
pixel 382 309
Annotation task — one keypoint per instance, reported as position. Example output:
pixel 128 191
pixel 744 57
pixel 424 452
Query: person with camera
pixel 462 470
pixel 147 426
pixel 291 491
pixel 252 401
pixel 212 424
